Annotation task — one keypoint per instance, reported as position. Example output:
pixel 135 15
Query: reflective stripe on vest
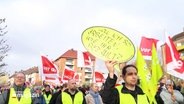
pixel 47 99
pixel 129 99
pixel 25 98
pixel 66 98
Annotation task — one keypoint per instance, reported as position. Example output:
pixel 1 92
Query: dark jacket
pixel 54 97
pixel 39 100
pixel 59 100
pixel 110 94
pixel 157 96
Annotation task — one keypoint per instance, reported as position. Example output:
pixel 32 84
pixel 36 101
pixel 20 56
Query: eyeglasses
pixel 19 77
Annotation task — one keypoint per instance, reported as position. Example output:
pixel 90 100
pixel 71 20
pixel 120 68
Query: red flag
pixel 99 77
pixel 52 79
pixel 68 74
pixel 48 66
pixel 76 77
pixel 146 45
pixel 49 72
pixel 83 59
pixel 175 66
pixel 87 60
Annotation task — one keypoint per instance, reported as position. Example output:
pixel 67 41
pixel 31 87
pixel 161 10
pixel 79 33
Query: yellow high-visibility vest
pixel 129 99
pixel 47 99
pixel 25 98
pixel 66 98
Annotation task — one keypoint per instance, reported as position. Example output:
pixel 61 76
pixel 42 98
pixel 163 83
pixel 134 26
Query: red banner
pixel 87 60
pixel 52 79
pixel 146 45
pixel 76 77
pixel 68 74
pixel 175 66
pixel 49 72
pixel 48 66
pixel 99 77
pixel 83 59
pixel 173 60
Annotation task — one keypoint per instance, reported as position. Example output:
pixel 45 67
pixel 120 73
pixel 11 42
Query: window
pixel 69 61
pixel 182 54
pixel 70 66
pixel 178 44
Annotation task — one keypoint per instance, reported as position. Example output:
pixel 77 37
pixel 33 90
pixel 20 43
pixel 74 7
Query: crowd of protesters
pixel 128 92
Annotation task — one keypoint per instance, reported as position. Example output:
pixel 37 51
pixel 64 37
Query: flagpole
pixel 41 71
pixel 163 57
pixel 62 79
pixel 93 77
pixel 163 53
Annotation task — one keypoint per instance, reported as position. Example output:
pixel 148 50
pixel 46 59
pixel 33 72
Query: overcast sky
pixel 54 26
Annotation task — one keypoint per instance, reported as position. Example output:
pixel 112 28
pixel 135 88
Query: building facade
pixel 69 59
pixel 32 76
pixel 179 42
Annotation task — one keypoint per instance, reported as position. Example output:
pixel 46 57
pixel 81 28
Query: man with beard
pixel 71 95
pixel 128 92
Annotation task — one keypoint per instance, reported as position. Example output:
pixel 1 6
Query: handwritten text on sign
pixel 108 44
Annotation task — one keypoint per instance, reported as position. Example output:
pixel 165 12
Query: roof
pixel 178 36
pixel 70 54
pixel 73 54
pixel 31 70
pixel 28 71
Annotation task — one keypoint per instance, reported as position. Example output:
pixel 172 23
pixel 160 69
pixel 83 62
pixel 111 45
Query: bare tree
pixel 4 47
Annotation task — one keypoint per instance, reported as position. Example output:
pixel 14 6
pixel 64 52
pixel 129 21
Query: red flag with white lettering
pixel 49 72
pixel 146 45
pixel 48 66
pixel 175 66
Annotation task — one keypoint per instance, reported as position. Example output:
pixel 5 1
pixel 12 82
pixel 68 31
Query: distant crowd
pixel 129 92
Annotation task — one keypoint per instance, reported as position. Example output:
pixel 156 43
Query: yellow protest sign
pixel 108 44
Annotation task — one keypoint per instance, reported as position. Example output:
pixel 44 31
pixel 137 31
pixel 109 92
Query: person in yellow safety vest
pixel 19 93
pixel 56 94
pixel 128 92
pixel 71 95
pixel 47 93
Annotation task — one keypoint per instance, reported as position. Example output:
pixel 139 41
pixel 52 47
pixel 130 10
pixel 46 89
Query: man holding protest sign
pixel 128 92
pixel 110 44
